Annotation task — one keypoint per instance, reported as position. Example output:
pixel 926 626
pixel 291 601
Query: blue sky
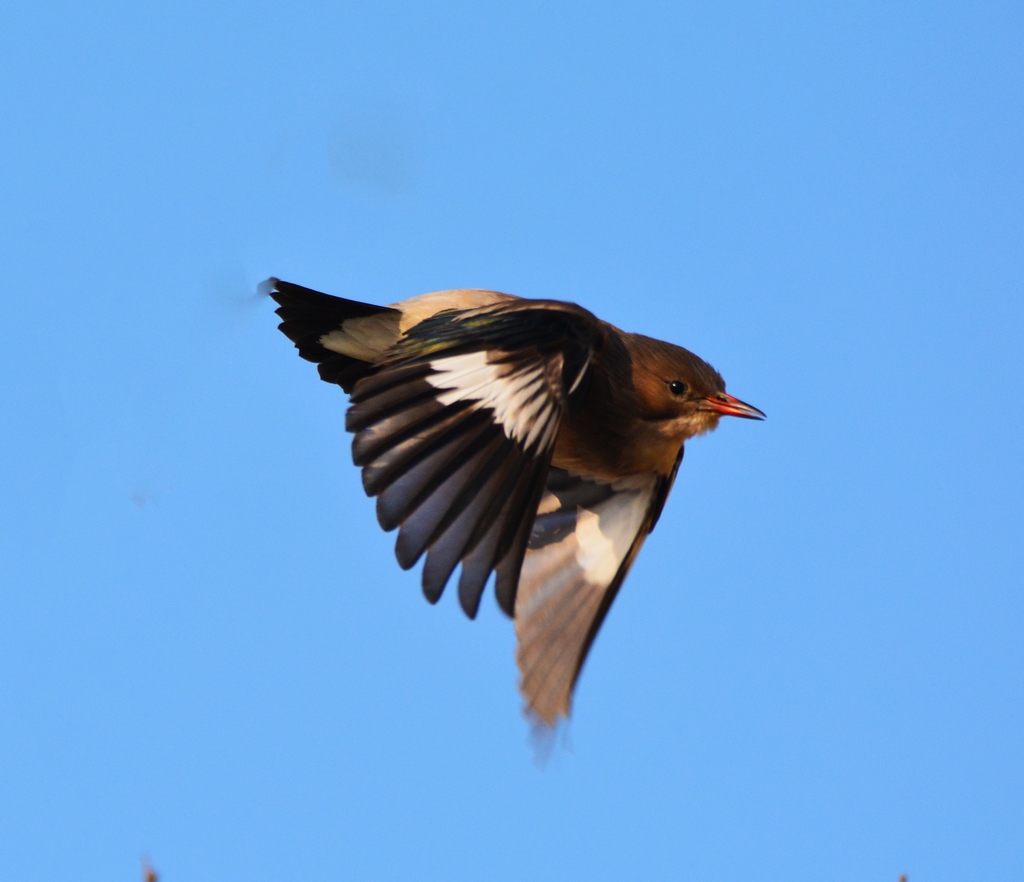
pixel 207 652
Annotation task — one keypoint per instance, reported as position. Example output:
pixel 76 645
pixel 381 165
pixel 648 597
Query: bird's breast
pixel 610 452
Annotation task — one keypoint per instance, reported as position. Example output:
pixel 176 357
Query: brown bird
pixel 524 437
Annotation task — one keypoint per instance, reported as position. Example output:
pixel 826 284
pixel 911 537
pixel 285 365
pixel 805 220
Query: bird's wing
pixel 342 336
pixel 585 537
pixel 454 434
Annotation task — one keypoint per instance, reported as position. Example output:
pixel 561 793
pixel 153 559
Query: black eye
pixel 677 387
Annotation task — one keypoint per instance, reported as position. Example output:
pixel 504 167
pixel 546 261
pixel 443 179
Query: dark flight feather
pixel 307 316
pixel 454 431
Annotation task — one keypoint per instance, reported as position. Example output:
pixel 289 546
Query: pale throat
pixel 685 427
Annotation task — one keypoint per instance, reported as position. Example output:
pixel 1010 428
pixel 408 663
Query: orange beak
pixel 723 403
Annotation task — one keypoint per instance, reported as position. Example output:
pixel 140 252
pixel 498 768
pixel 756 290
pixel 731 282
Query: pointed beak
pixel 723 403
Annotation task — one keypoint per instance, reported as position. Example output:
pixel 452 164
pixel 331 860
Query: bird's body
pixel 523 437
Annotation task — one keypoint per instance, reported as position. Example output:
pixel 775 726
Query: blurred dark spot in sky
pixel 375 151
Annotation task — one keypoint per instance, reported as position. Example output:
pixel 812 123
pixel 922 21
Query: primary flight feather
pixel 522 437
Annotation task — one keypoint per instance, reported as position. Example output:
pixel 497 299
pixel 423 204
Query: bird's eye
pixel 677 387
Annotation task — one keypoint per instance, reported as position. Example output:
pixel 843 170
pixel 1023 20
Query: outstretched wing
pixel 454 434
pixel 585 537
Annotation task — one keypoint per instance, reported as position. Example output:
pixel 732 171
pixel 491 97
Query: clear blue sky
pixel 207 651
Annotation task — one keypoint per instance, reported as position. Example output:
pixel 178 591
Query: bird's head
pixel 680 391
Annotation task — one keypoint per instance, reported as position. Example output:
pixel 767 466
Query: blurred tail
pixel 343 337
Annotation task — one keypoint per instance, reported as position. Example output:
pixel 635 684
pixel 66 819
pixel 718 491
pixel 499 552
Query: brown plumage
pixel 522 437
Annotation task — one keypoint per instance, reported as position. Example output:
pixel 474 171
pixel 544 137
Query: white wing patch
pixel 602 549
pixel 583 536
pixel 517 393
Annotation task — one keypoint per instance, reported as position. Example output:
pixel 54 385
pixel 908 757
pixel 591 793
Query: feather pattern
pixel 454 432
pixel 341 336
pixel 584 539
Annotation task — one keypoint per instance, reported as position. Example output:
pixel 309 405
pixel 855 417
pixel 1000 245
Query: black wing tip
pixel 505 592
pixel 471 591
pixel 307 315
pixel 288 292
pixel 325 306
pixel 431 590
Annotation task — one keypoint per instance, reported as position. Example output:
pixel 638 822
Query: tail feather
pixel 327 330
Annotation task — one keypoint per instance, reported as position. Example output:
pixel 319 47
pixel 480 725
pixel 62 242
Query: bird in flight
pixel 522 437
